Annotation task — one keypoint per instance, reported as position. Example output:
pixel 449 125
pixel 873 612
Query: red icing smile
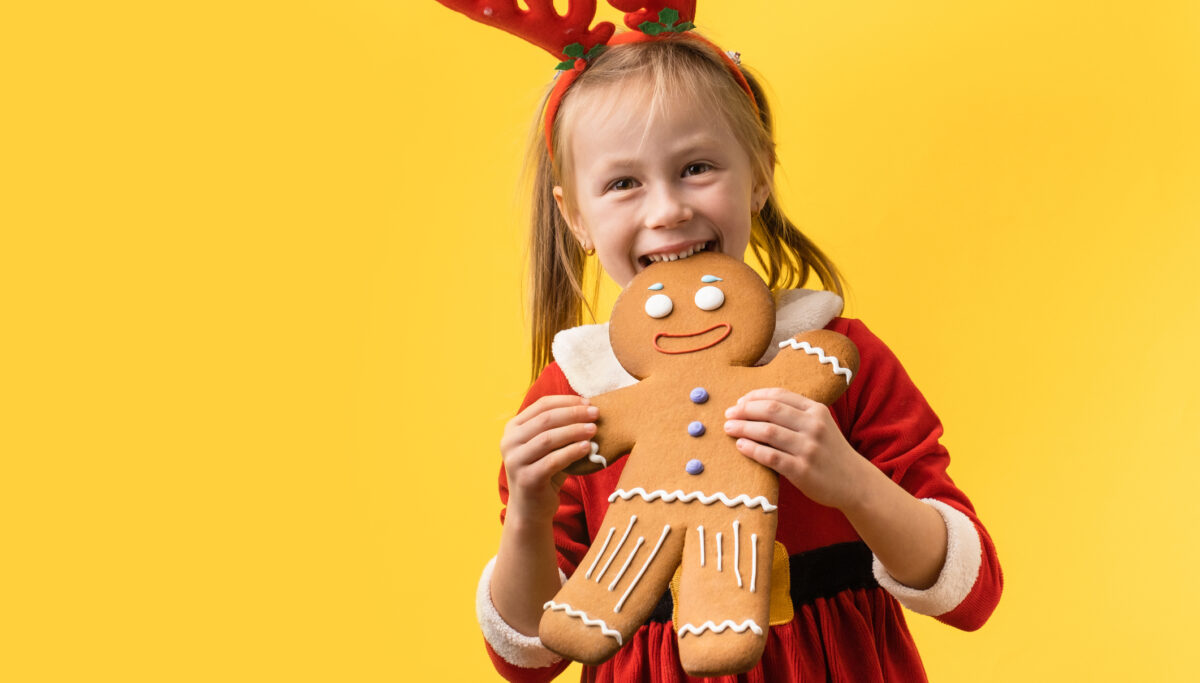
pixel 725 328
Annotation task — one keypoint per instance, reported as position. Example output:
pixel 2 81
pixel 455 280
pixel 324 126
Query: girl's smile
pixel 650 183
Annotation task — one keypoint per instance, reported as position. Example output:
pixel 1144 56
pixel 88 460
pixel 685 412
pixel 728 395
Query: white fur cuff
pixel 513 646
pixel 964 555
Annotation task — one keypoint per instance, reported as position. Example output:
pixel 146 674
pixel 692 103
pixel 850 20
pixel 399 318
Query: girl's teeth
pixel 655 258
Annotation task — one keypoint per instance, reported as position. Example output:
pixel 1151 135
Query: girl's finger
pixel 547 468
pixel 773 411
pixel 540 445
pixel 558 460
pixel 547 420
pixel 777 394
pixel 772 458
pixel 765 433
pixel 547 403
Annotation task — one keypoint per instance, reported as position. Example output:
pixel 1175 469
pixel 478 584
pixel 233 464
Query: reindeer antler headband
pixel 571 38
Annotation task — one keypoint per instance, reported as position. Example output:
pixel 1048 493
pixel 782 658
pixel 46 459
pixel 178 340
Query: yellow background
pixel 260 291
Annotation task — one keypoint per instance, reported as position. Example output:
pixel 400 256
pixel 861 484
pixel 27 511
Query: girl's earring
pixel 589 248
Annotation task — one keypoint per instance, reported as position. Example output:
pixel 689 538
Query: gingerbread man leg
pixel 617 585
pixel 724 591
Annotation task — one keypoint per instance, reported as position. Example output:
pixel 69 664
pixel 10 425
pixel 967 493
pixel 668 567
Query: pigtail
pixel 556 261
pixel 786 255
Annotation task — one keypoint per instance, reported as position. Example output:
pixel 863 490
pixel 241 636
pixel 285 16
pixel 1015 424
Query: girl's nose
pixel 666 208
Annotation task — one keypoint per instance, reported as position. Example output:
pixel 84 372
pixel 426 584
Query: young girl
pixel 662 148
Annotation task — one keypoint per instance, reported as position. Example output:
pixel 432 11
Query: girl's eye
pixel 697 168
pixel 622 184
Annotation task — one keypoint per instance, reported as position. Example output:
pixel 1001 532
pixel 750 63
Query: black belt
pixel 820 573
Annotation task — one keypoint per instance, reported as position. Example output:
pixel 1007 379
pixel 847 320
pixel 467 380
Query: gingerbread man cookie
pixel 690 331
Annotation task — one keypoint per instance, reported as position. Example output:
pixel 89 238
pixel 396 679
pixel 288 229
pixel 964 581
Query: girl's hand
pixel 551 433
pixel 797 437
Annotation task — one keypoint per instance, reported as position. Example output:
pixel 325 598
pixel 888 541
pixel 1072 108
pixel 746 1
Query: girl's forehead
pixel 632 108
pixel 635 100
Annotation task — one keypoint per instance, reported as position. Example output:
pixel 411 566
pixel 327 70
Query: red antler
pixel 541 24
pixel 638 11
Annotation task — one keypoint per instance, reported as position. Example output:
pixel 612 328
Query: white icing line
pixel 707 499
pixel 641 540
pixel 719 551
pixel 754 562
pixel 721 627
pixel 632 521
pixel 737 556
pixel 595 456
pixel 701 530
pixel 820 354
pixel 588 621
pixel 604 547
pixel 653 553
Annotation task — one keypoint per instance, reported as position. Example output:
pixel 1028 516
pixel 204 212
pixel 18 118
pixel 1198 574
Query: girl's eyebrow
pixel 690 147
pixel 699 142
pixel 615 163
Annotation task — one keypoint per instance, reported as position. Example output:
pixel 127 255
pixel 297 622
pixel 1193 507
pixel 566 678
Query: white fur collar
pixel 585 355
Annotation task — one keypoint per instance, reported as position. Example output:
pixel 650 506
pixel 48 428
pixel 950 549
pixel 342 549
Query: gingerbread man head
pixel 709 310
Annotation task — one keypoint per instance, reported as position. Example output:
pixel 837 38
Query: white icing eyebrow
pixel 711 278
pixel 656 286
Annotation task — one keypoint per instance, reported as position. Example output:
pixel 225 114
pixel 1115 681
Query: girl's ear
pixel 573 223
pixel 762 190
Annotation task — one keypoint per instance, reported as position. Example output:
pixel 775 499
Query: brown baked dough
pixel 718 524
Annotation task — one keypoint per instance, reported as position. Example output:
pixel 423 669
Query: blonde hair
pixel 674 64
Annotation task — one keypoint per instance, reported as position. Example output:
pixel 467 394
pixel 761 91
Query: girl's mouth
pixel 646 260
pixel 692 341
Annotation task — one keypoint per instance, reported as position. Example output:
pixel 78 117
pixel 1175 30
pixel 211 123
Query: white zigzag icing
pixel 588 621
pixel 820 354
pixel 720 628
pixel 707 499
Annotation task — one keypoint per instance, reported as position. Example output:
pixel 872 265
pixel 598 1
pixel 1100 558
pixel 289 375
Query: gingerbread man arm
pixel 615 428
pixel 819 363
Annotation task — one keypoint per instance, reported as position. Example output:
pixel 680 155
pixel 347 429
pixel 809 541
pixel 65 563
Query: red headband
pixel 569 38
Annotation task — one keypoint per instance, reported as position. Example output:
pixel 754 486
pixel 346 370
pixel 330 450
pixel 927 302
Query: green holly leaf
pixel 594 52
pixel 565 66
pixel 685 26
pixel 573 50
pixel 650 28
pixel 667 17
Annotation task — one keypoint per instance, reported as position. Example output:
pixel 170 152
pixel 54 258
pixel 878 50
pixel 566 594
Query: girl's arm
pixel 890 490
pixel 541 445
pixel 538 444
pixel 797 437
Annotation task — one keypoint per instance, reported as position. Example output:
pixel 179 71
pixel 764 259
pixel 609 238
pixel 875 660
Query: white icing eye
pixel 659 306
pixel 709 298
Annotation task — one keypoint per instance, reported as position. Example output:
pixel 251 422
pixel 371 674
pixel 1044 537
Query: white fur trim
pixel 585 354
pixel 801 310
pixel 513 646
pixel 964 555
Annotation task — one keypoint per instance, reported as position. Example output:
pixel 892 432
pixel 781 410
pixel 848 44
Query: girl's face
pixel 658 185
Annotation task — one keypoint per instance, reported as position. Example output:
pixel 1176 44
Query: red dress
pixel 848 627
